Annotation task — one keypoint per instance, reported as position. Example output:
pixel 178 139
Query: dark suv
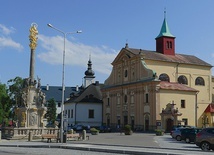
pixel 189 134
pixel 105 129
pixel 205 139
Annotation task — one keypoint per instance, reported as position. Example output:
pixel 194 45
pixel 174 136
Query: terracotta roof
pixel 210 108
pixel 175 86
pixel 177 58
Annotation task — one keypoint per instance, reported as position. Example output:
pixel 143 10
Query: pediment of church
pixel 124 54
pixel 129 67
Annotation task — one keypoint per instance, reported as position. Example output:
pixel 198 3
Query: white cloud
pixel 76 54
pixel 8 42
pixel 5 30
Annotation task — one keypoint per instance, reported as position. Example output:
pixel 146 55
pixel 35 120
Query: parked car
pixel 175 127
pixel 205 139
pixel 80 127
pixel 189 134
pixel 176 133
pixel 105 129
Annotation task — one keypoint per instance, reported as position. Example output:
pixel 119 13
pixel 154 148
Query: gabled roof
pixel 56 92
pixel 177 58
pixel 210 108
pixel 176 86
pixel 91 94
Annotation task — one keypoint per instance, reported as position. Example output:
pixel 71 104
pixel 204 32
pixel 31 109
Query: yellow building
pixel 158 89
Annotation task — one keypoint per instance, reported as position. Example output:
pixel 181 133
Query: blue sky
pixel 106 24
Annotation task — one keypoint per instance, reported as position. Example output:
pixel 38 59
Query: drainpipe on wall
pixel 196 109
pixel 176 76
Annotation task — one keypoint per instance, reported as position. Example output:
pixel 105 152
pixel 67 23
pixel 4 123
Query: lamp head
pixel 49 25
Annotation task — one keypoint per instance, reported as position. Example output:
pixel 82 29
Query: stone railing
pixel 22 133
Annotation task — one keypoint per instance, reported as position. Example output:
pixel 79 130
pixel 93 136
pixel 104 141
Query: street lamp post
pixel 63 77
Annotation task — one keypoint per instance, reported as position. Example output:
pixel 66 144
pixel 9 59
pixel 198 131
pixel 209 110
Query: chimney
pixel 77 88
pixel 97 83
pixel 47 87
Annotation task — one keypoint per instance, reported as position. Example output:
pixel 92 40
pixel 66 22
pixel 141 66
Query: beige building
pixel 158 89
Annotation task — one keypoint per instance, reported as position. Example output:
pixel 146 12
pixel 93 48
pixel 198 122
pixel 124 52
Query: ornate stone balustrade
pixel 22 133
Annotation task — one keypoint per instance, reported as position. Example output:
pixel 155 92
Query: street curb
pixel 99 149
pixel 87 149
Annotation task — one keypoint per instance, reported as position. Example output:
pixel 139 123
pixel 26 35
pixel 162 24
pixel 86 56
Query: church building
pixel 158 89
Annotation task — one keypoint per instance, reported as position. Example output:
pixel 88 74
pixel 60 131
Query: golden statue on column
pixel 33 36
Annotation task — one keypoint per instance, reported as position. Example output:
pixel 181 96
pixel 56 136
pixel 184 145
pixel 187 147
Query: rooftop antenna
pixel 127 46
pixel 165 13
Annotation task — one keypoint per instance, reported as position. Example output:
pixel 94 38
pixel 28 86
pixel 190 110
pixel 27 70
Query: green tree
pixel 15 92
pixel 51 111
pixel 15 89
pixel 5 104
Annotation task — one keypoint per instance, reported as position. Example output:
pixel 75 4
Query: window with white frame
pixel 91 113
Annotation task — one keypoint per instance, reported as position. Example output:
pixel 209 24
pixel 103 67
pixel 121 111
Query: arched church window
pixel 164 77
pixel 126 73
pixel 167 44
pixel 182 80
pixel 125 98
pixel 199 81
pixel 170 45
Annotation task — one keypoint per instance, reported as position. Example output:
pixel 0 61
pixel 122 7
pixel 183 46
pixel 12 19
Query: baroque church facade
pixel 158 89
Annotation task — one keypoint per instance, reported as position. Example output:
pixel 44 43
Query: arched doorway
pixel 108 121
pixel 169 124
pixel 146 123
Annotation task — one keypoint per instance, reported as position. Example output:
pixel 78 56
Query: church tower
pixel 89 74
pixel 165 41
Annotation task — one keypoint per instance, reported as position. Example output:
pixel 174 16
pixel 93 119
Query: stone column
pixel 32 65
pixel 33 43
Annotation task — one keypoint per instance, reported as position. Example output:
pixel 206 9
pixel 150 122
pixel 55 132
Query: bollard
pixel 30 136
pixel 58 137
pixel 72 131
pixel 64 137
pixel 0 135
pixel 84 135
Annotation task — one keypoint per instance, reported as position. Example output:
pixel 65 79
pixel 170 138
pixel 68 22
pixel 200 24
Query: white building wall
pixel 88 81
pixel 71 119
pixel 82 116
pixel 82 113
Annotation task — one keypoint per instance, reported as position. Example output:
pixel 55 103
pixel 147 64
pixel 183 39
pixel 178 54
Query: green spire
pixel 164 29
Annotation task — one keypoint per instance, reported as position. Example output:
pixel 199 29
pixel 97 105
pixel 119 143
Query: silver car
pixel 205 139
pixel 176 133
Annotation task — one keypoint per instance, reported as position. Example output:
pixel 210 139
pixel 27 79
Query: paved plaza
pixel 137 143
